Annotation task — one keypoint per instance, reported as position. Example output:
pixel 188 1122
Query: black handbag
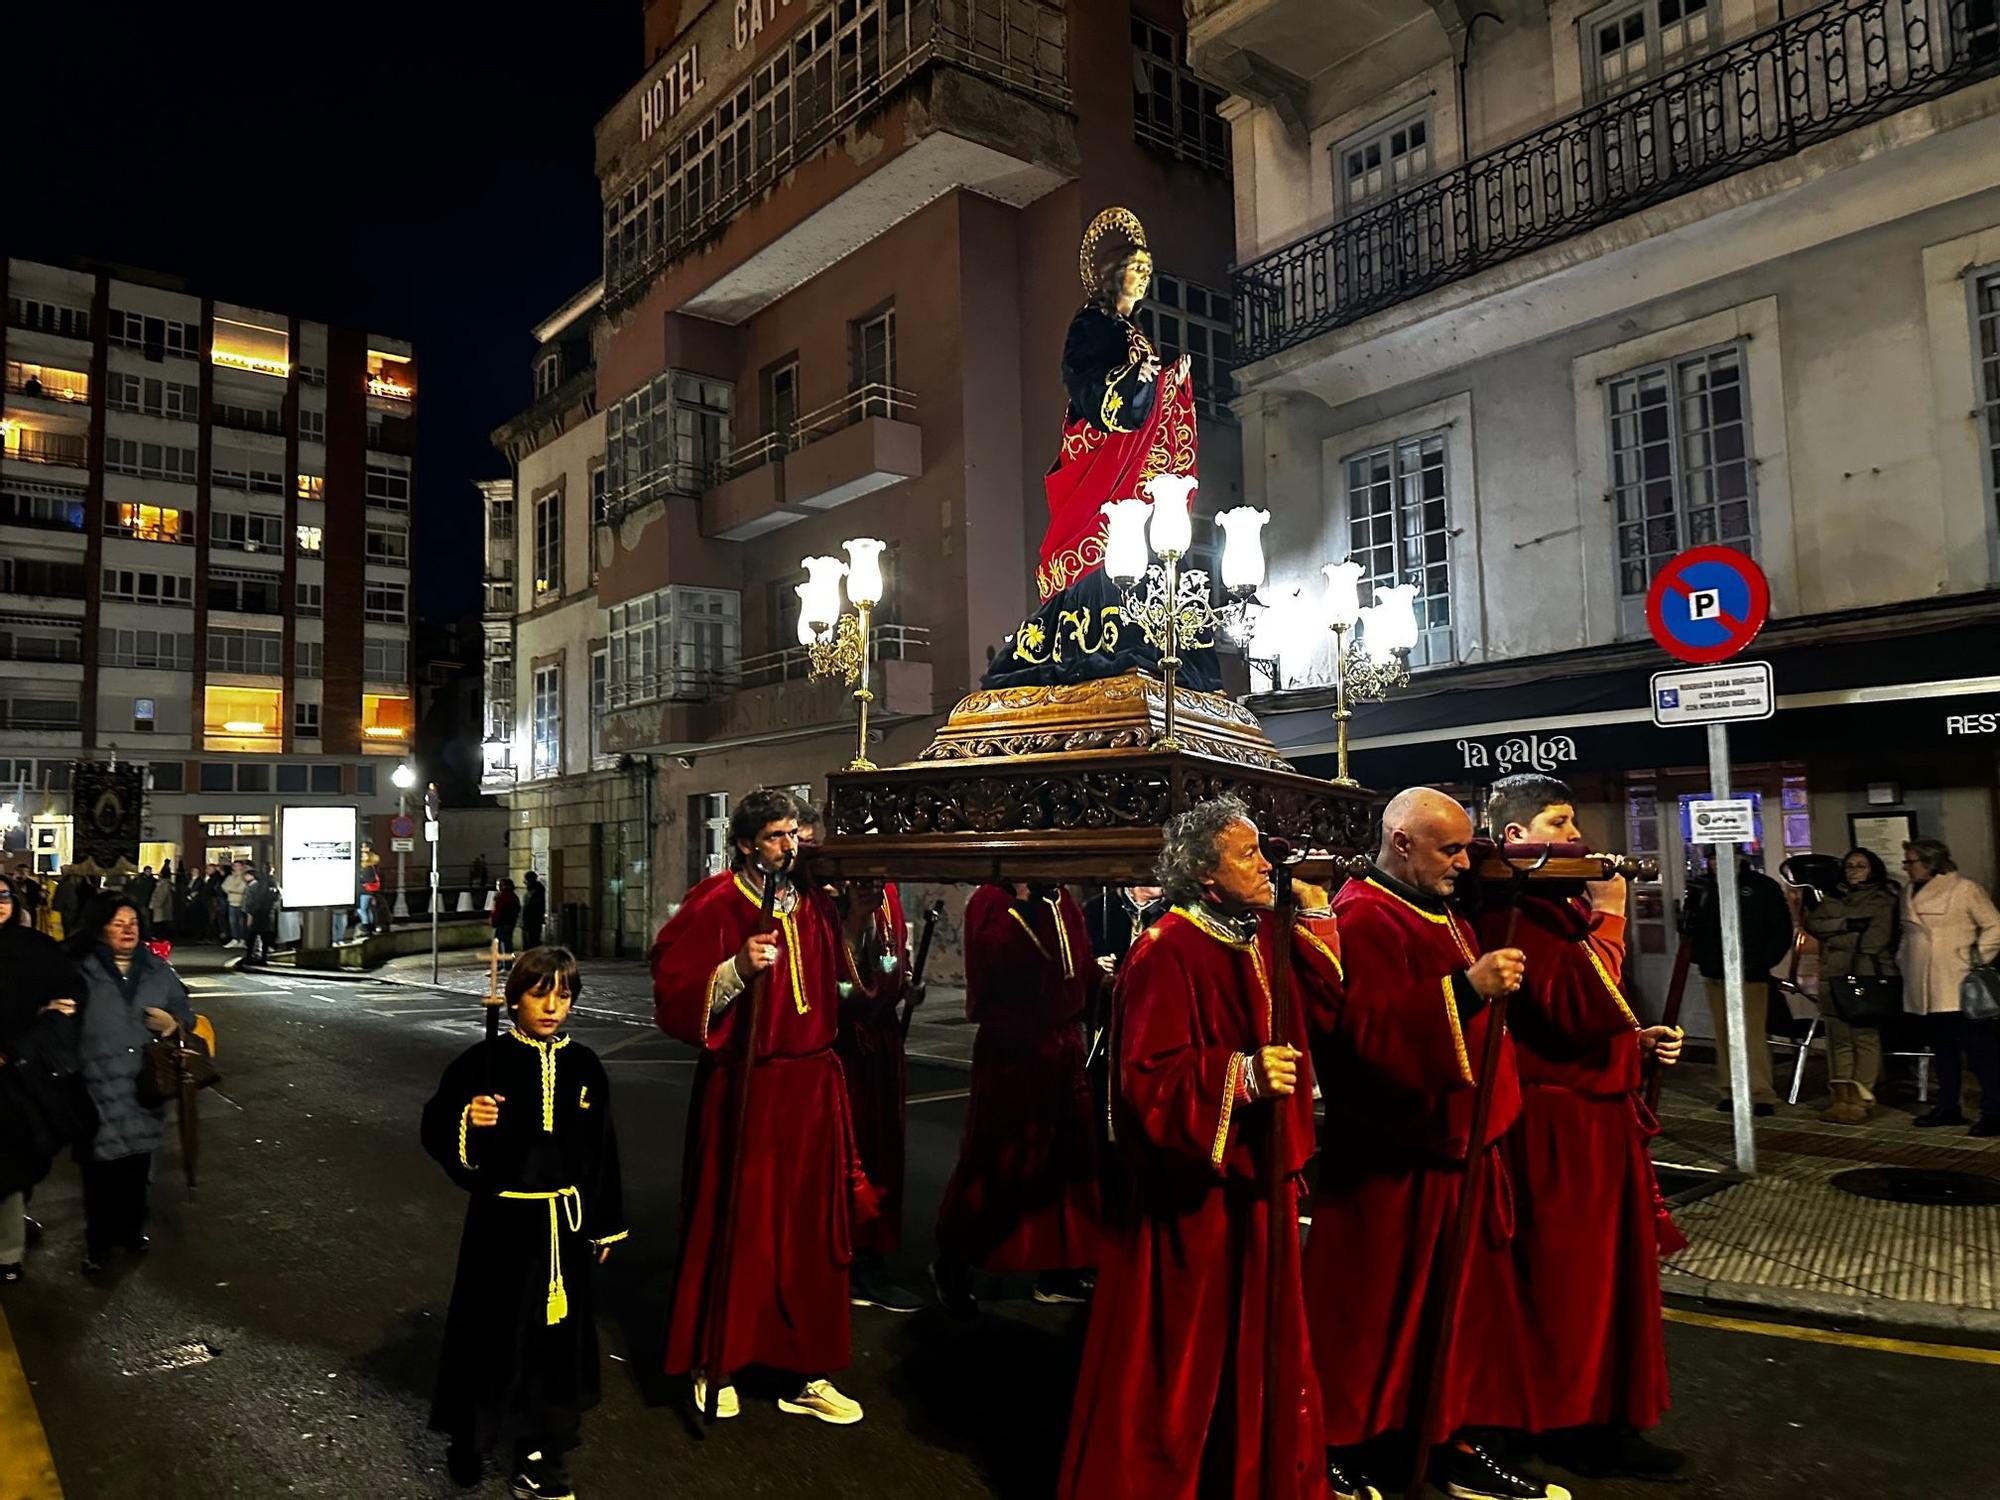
pixel 1979 991
pixel 171 1061
pixel 1865 999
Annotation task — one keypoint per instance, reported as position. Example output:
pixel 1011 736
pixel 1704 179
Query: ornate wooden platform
pixel 1066 783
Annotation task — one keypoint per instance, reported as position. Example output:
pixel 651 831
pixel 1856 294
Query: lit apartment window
pixel 155 336
pixel 49 317
pixel 149 460
pixel 241 718
pixel 1680 462
pixel 387 486
pixel 1986 316
pixel 148 523
pixel 1383 161
pixel 387 602
pixel 548 545
pixel 48 383
pixel 547 742
pixel 305 720
pixel 311 539
pixel 1172 109
pixel 391 377
pixel 1185 317
pixel 154 397
pixel 310 487
pixel 138 586
pixel 246 531
pixel 500 697
pixel 386 716
pixel 1399 530
pixel 252 347
pixel 36 446
pixel 388 546
pixel 311 600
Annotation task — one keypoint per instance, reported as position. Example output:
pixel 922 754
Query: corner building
pixel 840 257
pixel 205 542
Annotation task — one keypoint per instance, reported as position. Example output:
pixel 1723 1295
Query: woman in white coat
pixel 1946 919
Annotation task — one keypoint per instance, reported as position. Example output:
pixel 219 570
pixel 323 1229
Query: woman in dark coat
pixel 38 1052
pixel 506 914
pixel 1858 927
pixel 130 998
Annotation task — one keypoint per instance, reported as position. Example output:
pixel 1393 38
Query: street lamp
pixel 1378 663
pixel 405 777
pixel 1175 605
pixel 837 643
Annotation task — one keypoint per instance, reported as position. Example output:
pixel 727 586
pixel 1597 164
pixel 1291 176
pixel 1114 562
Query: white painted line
pixel 940 1097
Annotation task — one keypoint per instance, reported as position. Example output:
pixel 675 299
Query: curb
pixel 1878 1314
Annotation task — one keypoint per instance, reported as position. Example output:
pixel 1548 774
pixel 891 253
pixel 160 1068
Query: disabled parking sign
pixel 1708 603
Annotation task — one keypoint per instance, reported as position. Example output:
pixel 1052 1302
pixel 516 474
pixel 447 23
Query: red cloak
pixel 1024 1194
pixel 1396 1070
pixel 869 1045
pixel 1171 1398
pixel 788 1290
pixel 1588 1233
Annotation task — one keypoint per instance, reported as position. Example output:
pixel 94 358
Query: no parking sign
pixel 1708 604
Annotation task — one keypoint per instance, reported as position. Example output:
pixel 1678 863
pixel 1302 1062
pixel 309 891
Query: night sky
pixel 414 168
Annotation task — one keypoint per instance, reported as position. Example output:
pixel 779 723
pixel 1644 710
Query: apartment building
pixel 205 516
pixel 1529 302
pixel 840 258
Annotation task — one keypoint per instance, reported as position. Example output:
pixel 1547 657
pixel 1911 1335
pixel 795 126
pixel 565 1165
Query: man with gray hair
pixel 1175 1393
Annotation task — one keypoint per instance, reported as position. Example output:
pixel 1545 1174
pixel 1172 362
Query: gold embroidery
pixel 1441 919
pixel 1231 1081
pixel 1610 986
pixel 1316 941
pixel 789 929
pixel 548 1051
pixel 565 1206
pixel 1060 571
pixel 464 1119
pixel 612 1239
pixel 1457 1030
pixel 1035 645
pixel 583 1097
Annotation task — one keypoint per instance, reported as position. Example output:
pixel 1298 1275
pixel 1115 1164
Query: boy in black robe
pixel 523 1123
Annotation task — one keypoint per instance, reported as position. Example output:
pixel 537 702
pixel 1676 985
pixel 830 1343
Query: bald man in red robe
pixel 1173 1398
pixel 1589 1226
pixel 1024 1194
pixel 1397 1074
pixel 788 1289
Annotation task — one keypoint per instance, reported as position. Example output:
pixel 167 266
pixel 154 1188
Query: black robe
pixel 507 1369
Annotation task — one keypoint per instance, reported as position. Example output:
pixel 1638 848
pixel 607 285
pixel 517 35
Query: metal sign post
pixel 431 838
pixel 1730 909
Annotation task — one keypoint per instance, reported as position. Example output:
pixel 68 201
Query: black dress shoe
pixel 1346 1483
pixel 1471 1473
pixel 34 1228
pixel 139 1244
pixel 1939 1116
pixel 10 1274
pixel 1988 1125
pixel 953 1282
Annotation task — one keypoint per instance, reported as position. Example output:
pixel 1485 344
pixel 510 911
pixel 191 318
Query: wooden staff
pixel 725 1250
pixel 923 956
pixel 495 1002
pixel 1671 1016
pixel 1278 1219
pixel 1465 1220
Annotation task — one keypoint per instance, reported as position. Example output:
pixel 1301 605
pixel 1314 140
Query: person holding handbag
pixel 129 998
pixel 1949 925
pixel 38 1033
pixel 1860 983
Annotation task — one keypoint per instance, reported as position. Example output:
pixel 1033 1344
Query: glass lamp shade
pixel 1172 531
pixel 1390 623
pixel 807 635
pixel 1243 547
pixel 819 595
pixel 864 570
pixel 1125 544
pixel 1342 605
pixel 405 776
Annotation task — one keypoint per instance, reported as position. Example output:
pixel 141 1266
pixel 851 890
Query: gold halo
pixel 1122 219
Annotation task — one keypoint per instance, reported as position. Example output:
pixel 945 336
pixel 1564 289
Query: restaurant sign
pixel 1521 752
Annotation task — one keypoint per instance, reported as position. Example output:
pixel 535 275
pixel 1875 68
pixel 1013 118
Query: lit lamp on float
pixel 837 642
pixel 1175 605
pixel 1373 667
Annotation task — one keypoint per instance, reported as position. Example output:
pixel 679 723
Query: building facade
pixel 840 257
pixel 1527 310
pixel 205 527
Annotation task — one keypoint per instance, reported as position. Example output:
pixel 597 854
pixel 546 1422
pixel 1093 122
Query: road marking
pixel 1831 1336
pixel 626 1041
pixel 933 1056
pixel 206 992
pixel 939 1097
pixel 27 1468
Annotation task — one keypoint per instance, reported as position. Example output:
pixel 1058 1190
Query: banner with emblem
pixel 107 807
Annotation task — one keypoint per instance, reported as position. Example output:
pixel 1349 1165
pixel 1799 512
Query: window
pixel 548 545
pixel 548 373
pixel 781 400
pixel 305 724
pixel 326 779
pixel 166 776
pixel 310 599
pixel 385 661
pixel 149 460
pixel 548 720
pixel 246 593
pixel 500 697
pixel 165 650
pixel 218 776
pixel 247 531
pixel 677 642
pixel 291 773
pixel 310 374
pixel 249 418
pixel 1986 346
pixel 669 436
pixel 600 517
pixel 155 336
pixel 707 835
pixel 310 540
pixel 253 778
pixel 309 486
pixel 312 425
pixel 600 698
pixel 140 587
pixel 256 481
pixel 1184 317
pixel 875 362
pixel 1399 530
pixel 1628 42
pixel 44 577
pixel 364 781
pixel 49 317
pixel 257 651
pixel 387 486
pixel 47 507
pixel 387 602
pixel 388 546
pixel 27 638
pixel 148 523
pixel 1383 161
pixel 308 658
pixel 1172 109
pixel 1680 464
pixel 152 396
pixel 499 522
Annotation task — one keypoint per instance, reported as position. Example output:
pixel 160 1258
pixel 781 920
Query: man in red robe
pixel 1397 1072
pixel 874 982
pixel 1196 1376
pixel 1589 1230
pixel 788 1287
pixel 1024 1194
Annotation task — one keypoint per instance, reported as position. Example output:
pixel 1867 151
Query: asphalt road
pixel 281 1338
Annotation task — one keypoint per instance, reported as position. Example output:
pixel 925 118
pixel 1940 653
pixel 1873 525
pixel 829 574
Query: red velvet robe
pixel 1171 1398
pixel 788 1291
pixel 1024 1194
pixel 1588 1236
pixel 869 1045
pixel 1396 1071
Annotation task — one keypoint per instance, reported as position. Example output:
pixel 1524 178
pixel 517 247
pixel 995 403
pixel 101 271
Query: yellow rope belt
pixel 565 1206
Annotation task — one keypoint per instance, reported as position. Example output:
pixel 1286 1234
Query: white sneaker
pixel 819 1399
pixel 726 1404
pixel 232 943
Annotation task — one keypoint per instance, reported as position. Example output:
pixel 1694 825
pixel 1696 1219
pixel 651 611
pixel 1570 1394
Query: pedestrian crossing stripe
pixel 27 1468
pixel 1917 1348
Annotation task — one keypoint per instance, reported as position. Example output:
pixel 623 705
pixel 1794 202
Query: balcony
pixel 865 441
pixel 48 383
pixel 41 504
pixel 1797 83
pixel 29 445
pixel 987 94
pixel 32 707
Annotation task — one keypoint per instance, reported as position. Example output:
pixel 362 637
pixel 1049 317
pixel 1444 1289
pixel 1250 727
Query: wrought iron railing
pixel 700 684
pixel 1807 78
pixel 872 400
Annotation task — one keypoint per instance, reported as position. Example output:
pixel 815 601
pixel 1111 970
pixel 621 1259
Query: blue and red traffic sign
pixel 1708 603
pixel 402 827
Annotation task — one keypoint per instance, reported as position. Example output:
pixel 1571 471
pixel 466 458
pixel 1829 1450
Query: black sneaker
pixel 1346 1484
pixel 1612 1453
pixel 34 1228
pixel 10 1274
pixel 1071 1287
pixel 952 1281
pixel 542 1479
pixel 1471 1473
pixel 873 1289
pixel 1937 1117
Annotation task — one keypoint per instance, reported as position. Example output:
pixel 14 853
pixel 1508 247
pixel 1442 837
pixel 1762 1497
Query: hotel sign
pixel 663 98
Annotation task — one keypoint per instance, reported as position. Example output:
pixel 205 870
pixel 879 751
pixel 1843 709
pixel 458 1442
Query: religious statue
pixel 1129 419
